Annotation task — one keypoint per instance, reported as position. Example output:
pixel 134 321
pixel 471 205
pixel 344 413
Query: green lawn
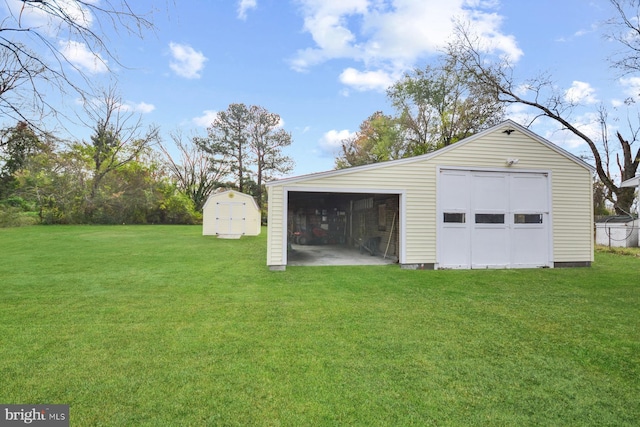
pixel 160 326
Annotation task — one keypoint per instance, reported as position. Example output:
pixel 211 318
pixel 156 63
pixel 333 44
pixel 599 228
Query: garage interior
pixel 326 228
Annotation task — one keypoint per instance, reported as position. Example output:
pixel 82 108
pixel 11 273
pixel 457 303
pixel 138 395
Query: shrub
pixel 11 216
pixel 17 202
pixel 176 208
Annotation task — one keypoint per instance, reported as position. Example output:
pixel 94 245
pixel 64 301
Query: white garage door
pixel 493 219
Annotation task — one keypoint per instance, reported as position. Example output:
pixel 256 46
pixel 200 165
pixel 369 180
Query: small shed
pixel 230 214
pixel 617 231
pixel 503 198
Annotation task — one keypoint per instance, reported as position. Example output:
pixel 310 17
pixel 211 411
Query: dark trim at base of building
pixel 571 264
pixel 431 266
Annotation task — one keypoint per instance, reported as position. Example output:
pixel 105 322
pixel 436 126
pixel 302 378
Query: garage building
pixel 504 198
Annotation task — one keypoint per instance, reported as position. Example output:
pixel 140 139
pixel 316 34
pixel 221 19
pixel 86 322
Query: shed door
pixel 493 219
pixel 231 218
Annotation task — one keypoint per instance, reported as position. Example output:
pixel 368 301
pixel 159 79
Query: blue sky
pixel 324 65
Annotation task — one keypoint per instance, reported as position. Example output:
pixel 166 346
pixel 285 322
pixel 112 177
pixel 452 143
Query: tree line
pixel 124 173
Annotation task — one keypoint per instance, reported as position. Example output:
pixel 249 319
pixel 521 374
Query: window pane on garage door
pixel 489 218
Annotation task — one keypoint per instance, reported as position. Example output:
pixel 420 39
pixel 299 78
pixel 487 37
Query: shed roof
pixel 507 124
pixel 633 182
pixel 231 193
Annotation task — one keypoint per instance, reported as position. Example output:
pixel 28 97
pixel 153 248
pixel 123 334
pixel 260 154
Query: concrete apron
pixel 309 255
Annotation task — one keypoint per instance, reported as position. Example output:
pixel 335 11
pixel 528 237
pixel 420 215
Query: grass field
pixel 160 326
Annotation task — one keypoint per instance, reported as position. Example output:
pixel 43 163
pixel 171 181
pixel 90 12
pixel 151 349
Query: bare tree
pixel 16 79
pixel 118 139
pixel 37 38
pixel 541 94
pixel 196 172
pixel 625 30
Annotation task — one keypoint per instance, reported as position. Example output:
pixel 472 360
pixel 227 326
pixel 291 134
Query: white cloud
pixel 327 22
pixel 205 120
pixel 331 142
pixel 244 6
pixel 586 31
pixel 209 116
pixel 125 107
pixel 80 56
pixel 392 35
pixel 521 113
pixel 552 130
pixel 631 86
pixel 187 62
pixel 587 123
pixel 367 80
pixel 580 93
pixel 140 107
pixel 565 139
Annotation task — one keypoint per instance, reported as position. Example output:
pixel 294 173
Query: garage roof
pixel 508 124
